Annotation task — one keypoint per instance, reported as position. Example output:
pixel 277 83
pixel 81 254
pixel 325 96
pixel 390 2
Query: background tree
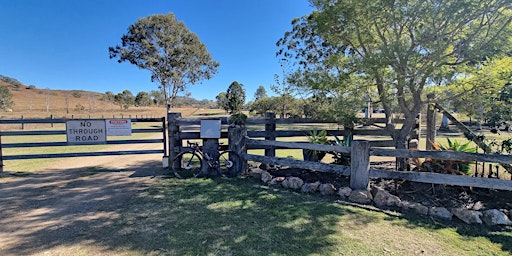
pixel 6 101
pixel 400 48
pixel 173 54
pixel 260 93
pixel 157 97
pixel 143 99
pixel 261 106
pixel 235 97
pixel 124 99
pixel 222 101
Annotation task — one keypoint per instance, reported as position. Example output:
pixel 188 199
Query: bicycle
pixel 191 161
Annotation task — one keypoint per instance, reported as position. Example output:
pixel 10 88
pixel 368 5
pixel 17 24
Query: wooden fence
pixel 242 139
pixel 360 171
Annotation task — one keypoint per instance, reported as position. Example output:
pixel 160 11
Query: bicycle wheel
pixel 190 166
pixel 230 163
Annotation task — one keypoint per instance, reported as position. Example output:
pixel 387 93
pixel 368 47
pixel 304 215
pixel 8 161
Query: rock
pixel 344 192
pixel 292 183
pixel 384 198
pixel 495 217
pixel 310 187
pixel 327 189
pixel 416 207
pixel 360 196
pixel 468 216
pixel 255 173
pixel 266 177
pixel 275 182
pixel 440 213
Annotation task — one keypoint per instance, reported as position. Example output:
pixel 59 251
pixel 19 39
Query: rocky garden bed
pixel 470 205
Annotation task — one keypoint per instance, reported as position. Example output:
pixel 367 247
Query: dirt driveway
pixel 57 211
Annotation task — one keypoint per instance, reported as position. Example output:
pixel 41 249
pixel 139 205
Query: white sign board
pixel 119 127
pixel 210 129
pixel 86 131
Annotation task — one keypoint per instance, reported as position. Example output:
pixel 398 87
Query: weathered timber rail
pixel 360 172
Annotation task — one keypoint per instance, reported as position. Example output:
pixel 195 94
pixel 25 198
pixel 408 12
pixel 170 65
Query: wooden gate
pixel 85 134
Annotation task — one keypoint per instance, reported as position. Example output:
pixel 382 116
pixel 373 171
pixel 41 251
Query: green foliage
pixel 401 49
pixel 342 158
pixel 235 96
pixel 222 101
pixel 142 99
pixel 173 54
pixel 157 97
pixel 316 137
pixel 124 99
pixel 261 106
pixel 453 166
pixel 6 100
pixel 260 93
pixel 238 119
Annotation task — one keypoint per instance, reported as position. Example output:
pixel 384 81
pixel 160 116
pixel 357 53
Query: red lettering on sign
pixel 118 121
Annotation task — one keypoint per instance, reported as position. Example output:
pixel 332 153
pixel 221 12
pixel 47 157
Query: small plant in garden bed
pixel 316 137
pixel 451 166
pixel 342 158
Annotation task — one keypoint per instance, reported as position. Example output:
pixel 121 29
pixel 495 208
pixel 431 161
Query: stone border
pixel 383 199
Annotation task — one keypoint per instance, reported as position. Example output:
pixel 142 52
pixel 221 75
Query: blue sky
pixel 63 44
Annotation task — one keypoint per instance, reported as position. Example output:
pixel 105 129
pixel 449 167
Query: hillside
pixel 31 102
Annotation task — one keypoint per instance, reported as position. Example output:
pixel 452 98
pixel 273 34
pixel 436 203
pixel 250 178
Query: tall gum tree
pixel 400 46
pixel 169 50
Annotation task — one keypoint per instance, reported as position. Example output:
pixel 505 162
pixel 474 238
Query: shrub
pixel 452 166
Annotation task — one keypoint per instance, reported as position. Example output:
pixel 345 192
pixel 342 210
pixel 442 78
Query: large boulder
pixel 310 187
pixel 344 192
pixel 468 216
pixel 496 217
pixel 292 183
pixel 360 196
pixel 276 182
pixel 383 198
pixel 440 213
pixel 327 189
pixel 416 207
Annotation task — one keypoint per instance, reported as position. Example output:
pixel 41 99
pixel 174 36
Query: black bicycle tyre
pixel 190 165
pixel 229 163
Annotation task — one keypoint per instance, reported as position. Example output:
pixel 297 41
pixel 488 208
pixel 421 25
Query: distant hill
pixel 31 101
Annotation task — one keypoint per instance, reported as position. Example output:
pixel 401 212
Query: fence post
pixel 174 137
pixel 51 118
pixel 415 134
pixel 22 123
pixel 270 128
pixel 431 123
pixel 1 156
pixel 360 165
pixel 236 137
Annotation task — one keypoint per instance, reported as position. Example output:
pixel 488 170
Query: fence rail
pixel 361 169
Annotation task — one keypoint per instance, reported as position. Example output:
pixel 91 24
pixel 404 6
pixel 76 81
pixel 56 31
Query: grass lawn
pixel 244 217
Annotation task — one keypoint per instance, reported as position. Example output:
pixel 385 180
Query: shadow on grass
pixel 229 217
pixel 140 210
